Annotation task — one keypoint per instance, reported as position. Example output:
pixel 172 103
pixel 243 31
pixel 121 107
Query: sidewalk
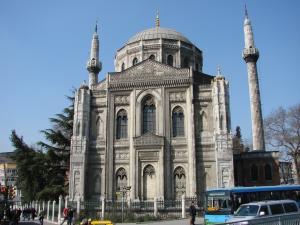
pixel 199 221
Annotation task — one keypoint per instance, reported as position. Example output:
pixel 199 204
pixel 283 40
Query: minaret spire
pixel 94 66
pixel 246 11
pixel 96 27
pixel 251 55
pixel 157 22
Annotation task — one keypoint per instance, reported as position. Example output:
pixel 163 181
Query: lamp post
pixel 123 191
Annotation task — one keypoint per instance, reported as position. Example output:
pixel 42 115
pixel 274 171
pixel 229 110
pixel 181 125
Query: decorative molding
pixel 121 155
pixel 149 73
pixel 177 96
pixel 121 100
pixel 148 139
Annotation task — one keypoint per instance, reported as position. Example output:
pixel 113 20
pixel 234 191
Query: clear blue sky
pixel 45 44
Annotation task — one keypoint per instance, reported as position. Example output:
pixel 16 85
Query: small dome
pixel 156 33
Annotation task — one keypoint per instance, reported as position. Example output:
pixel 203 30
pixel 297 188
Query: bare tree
pixel 282 130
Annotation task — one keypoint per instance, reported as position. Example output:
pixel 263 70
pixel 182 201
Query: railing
pixel 116 210
pixel 286 219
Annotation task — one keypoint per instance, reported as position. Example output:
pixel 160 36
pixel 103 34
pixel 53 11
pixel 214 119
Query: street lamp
pixel 124 190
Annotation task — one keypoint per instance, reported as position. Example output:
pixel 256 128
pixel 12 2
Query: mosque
pixel 158 126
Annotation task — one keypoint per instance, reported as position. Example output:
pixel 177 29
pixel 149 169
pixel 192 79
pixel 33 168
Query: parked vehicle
pixel 253 210
pixel 222 202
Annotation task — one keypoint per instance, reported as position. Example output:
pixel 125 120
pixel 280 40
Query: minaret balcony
pixel 250 51
pixel 250 54
pixel 94 66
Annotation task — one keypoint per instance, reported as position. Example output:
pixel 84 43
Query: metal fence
pixel 118 210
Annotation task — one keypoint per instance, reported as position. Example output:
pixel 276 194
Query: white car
pixel 253 210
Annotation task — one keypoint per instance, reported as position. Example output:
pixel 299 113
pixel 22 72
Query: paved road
pixel 199 221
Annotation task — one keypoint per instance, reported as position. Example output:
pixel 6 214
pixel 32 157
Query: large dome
pixel 160 44
pixel 156 33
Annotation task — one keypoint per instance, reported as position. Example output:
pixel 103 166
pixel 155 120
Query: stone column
pixel 59 208
pixel 48 210
pixel 78 206
pixel 191 178
pixel 182 206
pixel 53 210
pixel 66 201
pixel 155 207
pixel 43 205
pixel 102 208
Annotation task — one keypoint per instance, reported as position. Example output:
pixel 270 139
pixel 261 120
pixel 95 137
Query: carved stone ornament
pixel 177 96
pixel 121 100
pixel 148 139
pixel 149 72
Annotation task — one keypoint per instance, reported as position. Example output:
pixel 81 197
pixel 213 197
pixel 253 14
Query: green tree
pixel 282 131
pixel 30 166
pixel 43 174
pixel 58 152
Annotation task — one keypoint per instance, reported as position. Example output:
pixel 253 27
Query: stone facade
pixel 158 125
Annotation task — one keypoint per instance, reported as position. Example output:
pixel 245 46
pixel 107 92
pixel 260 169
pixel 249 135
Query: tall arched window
pixel 123 67
pixel 135 61
pixel 121 179
pixel 186 62
pixel 268 172
pixel 152 57
pixel 149 181
pixel 179 182
pixel 254 173
pixel 178 122
pixel 170 60
pixel 121 124
pixel 149 112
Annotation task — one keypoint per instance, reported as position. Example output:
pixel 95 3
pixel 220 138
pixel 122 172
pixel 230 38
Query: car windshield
pixel 247 210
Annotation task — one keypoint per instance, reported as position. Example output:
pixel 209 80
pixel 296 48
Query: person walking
pixel 65 214
pixel 41 217
pixel 70 216
pixel 192 213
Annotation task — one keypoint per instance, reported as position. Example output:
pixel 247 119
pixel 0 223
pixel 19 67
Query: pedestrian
pixel 65 214
pixel 192 213
pixel 41 217
pixel 70 216
pixel 33 213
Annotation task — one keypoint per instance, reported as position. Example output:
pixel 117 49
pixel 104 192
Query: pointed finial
pixel 219 70
pixel 246 11
pixel 96 27
pixel 157 19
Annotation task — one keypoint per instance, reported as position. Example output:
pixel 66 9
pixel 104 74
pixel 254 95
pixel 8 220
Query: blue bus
pixel 221 203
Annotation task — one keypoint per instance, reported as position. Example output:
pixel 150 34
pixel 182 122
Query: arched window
pixel 152 57
pixel 121 124
pixel 170 60
pixel 197 67
pixel 179 182
pixel 149 111
pixel 121 180
pixel 178 122
pixel 123 67
pixel 149 181
pixel 186 62
pixel 135 61
pixel 254 173
pixel 268 172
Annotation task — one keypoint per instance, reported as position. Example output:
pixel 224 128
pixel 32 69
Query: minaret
pixel 250 55
pixel 94 66
pixel 157 22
